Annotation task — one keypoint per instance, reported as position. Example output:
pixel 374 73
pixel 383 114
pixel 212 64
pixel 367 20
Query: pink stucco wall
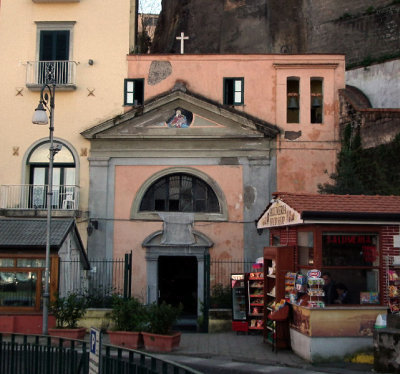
pixel 302 163
pixel 129 234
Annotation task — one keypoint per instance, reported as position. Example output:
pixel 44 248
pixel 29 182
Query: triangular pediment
pixel 181 114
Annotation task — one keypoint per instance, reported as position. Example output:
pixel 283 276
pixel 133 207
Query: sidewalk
pixel 232 347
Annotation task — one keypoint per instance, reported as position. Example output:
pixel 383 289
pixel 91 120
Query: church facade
pixel 204 142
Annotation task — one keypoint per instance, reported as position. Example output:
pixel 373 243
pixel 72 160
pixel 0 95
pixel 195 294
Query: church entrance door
pixel 177 282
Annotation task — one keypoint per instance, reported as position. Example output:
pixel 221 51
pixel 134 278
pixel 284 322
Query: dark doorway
pixel 177 282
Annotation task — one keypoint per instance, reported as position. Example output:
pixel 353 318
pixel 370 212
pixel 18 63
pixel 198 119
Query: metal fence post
pixel 128 275
pixel 206 304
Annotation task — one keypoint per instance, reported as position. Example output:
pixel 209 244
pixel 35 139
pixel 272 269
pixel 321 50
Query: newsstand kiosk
pixel 330 258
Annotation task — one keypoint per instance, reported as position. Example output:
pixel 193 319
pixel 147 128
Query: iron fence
pixel 64 72
pixel 34 354
pixel 221 270
pixel 126 361
pixel 105 278
pixel 37 354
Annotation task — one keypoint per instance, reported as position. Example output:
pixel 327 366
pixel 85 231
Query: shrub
pixel 221 297
pixel 161 317
pixel 100 297
pixel 68 310
pixel 127 314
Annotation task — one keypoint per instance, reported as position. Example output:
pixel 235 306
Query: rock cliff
pixel 361 29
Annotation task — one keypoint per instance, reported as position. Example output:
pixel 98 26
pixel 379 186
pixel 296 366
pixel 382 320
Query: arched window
pixel 64 171
pixel 180 192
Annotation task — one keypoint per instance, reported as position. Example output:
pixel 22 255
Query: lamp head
pixel 40 115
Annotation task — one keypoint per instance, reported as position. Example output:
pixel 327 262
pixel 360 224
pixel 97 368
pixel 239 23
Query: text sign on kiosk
pixel 315 273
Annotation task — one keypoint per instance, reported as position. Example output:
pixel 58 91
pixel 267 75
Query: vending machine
pixel 239 306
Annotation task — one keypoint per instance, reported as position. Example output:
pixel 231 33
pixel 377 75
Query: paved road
pixel 226 366
pixel 228 352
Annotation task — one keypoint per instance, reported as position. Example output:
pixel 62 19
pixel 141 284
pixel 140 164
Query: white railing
pixel 31 196
pixel 64 72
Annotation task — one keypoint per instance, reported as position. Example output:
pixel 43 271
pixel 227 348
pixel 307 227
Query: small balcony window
pixel 233 91
pixel 53 56
pixel 133 92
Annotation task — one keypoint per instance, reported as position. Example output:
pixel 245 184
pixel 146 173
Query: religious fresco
pixel 181 119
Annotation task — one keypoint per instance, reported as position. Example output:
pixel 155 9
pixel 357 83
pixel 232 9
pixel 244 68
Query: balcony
pixel 56 1
pixel 64 74
pixel 31 200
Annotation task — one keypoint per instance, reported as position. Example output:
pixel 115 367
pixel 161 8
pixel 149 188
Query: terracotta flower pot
pixel 127 339
pixel 78 333
pixel 161 343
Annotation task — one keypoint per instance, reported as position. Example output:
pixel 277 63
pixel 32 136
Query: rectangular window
pixel 54 52
pixel 352 259
pixel 18 289
pixel 22 282
pixel 305 243
pixel 133 91
pixel 317 102
pixel 233 91
pixel 54 45
pixel 293 100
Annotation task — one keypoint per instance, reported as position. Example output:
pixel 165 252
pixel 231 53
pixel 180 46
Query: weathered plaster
pixel 158 71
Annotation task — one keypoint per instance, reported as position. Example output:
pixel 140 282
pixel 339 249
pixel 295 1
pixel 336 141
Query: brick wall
pixel 287 235
pixel 377 126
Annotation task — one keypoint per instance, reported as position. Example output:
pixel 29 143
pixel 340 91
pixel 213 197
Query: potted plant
pixel 159 336
pixel 67 311
pixel 128 317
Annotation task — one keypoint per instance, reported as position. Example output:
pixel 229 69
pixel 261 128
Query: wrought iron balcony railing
pixel 56 1
pixel 64 73
pixel 65 197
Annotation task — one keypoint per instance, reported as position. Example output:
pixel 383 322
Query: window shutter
pixel 129 92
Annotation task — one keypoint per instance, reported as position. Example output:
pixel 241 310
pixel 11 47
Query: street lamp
pixel 40 118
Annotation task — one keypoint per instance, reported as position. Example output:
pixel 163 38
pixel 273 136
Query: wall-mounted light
pixel 93 225
pixel 90 62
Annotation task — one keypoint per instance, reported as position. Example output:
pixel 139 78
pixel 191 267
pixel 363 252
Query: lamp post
pixel 40 118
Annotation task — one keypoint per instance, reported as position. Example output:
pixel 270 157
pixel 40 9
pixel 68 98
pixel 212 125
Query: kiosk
pixel 350 240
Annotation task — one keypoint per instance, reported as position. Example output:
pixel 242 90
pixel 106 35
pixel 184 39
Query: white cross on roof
pixel 182 38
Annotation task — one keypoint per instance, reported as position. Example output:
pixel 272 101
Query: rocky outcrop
pixel 361 29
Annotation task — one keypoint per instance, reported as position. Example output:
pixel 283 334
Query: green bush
pixel 68 310
pixel 161 317
pixel 100 297
pixel 221 296
pixel 127 314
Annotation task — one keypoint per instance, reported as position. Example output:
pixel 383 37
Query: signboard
pixel 95 351
pixel 279 214
pixel 314 273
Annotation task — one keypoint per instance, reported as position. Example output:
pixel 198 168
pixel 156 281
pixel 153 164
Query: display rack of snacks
pixel 278 261
pixel 315 292
pixel 394 289
pixel 290 280
pixel 256 300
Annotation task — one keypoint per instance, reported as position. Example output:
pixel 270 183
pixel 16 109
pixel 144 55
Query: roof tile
pixel 302 202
